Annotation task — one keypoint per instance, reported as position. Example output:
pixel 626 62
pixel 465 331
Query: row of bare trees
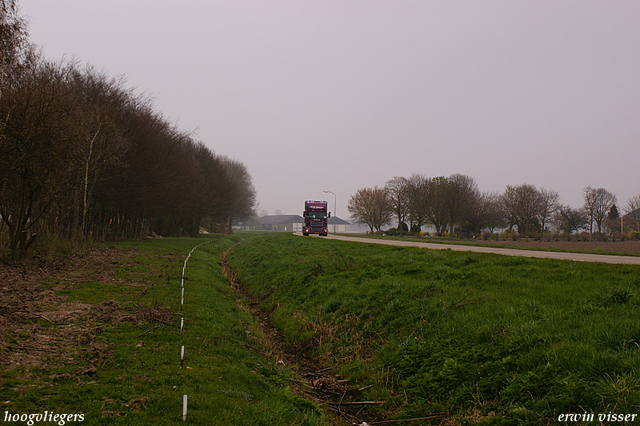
pixel 455 203
pixel 82 156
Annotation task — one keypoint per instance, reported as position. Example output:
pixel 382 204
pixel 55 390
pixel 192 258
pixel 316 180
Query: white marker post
pixel 182 299
pixel 181 324
pixel 184 407
pixel 182 357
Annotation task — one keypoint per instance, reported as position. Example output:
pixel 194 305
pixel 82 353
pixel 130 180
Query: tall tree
pixel 371 207
pixel 522 205
pixel 417 189
pixel 98 126
pixel 485 212
pixel 598 202
pixel 242 202
pixel 632 209
pixel 437 213
pixel 460 191
pixel 398 192
pixel 569 220
pixel 14 43
pixel 548 205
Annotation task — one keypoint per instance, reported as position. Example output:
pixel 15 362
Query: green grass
pixel 228 376
pixel 478 338
pixel 488 339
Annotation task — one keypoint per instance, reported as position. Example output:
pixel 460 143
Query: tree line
pixel 456 204
pixel 84 157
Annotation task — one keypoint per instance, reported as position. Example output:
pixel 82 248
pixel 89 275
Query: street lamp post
pixel 334 207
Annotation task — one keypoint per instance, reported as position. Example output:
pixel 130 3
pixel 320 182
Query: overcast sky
pixel 340 95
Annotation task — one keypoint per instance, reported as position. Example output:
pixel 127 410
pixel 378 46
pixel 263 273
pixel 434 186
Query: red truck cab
pixel 315 218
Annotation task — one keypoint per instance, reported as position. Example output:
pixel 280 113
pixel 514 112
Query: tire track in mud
pixel 314 379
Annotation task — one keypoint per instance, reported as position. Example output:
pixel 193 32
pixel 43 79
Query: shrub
pixel 600 236
pixel 634 235
pixel 617 236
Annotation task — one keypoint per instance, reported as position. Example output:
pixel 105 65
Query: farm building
pixel 290 223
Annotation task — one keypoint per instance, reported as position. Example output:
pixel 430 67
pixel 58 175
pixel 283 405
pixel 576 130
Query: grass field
pixel 438 336
pixel 122 365
pixel 484 338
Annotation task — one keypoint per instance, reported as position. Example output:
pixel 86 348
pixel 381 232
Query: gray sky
pixel 340 95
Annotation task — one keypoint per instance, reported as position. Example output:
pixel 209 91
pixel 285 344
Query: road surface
pixel 580 257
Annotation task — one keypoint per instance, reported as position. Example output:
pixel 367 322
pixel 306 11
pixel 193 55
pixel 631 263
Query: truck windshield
pixel 317 215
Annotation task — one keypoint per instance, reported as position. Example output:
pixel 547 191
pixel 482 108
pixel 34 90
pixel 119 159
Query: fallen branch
pixel 358 403
pixel 435 416
pixel 151 329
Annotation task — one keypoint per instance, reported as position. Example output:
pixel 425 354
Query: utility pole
pixel 335 214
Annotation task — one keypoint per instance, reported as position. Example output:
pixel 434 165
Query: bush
pixel 634 235
pixel 600 236
pixel 617 236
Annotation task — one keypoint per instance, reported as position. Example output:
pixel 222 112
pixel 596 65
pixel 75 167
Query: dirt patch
pixel 40 328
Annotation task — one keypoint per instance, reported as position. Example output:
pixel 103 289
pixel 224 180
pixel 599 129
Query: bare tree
pixel 485 212
pixel 548 205
pixel 13 43
pixel 98 129
pixel 568 219
pixel 243 200
pixel 418 187
pixel 522 205
pixel 371 207
pixel 398 192
pixel 632 210
pixel 459 194
pixel 437 213
pixel 37 150
pixel 597 203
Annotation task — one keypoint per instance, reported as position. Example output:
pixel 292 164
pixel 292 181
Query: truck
pixel 315 218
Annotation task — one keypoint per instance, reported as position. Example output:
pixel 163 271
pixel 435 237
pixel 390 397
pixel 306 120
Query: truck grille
pixel 316 225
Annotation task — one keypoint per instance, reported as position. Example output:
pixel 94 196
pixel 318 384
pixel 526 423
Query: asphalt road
pixel 579 257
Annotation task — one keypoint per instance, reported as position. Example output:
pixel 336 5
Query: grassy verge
pixel 476 338
pixel 123 360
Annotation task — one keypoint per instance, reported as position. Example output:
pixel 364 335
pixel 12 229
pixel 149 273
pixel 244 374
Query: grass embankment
pixel 125 367
pixel 487 339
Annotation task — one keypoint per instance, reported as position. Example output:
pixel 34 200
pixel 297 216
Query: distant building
pixel 632 221
pixel 286 223
pixel 337 225
pixel 241 225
